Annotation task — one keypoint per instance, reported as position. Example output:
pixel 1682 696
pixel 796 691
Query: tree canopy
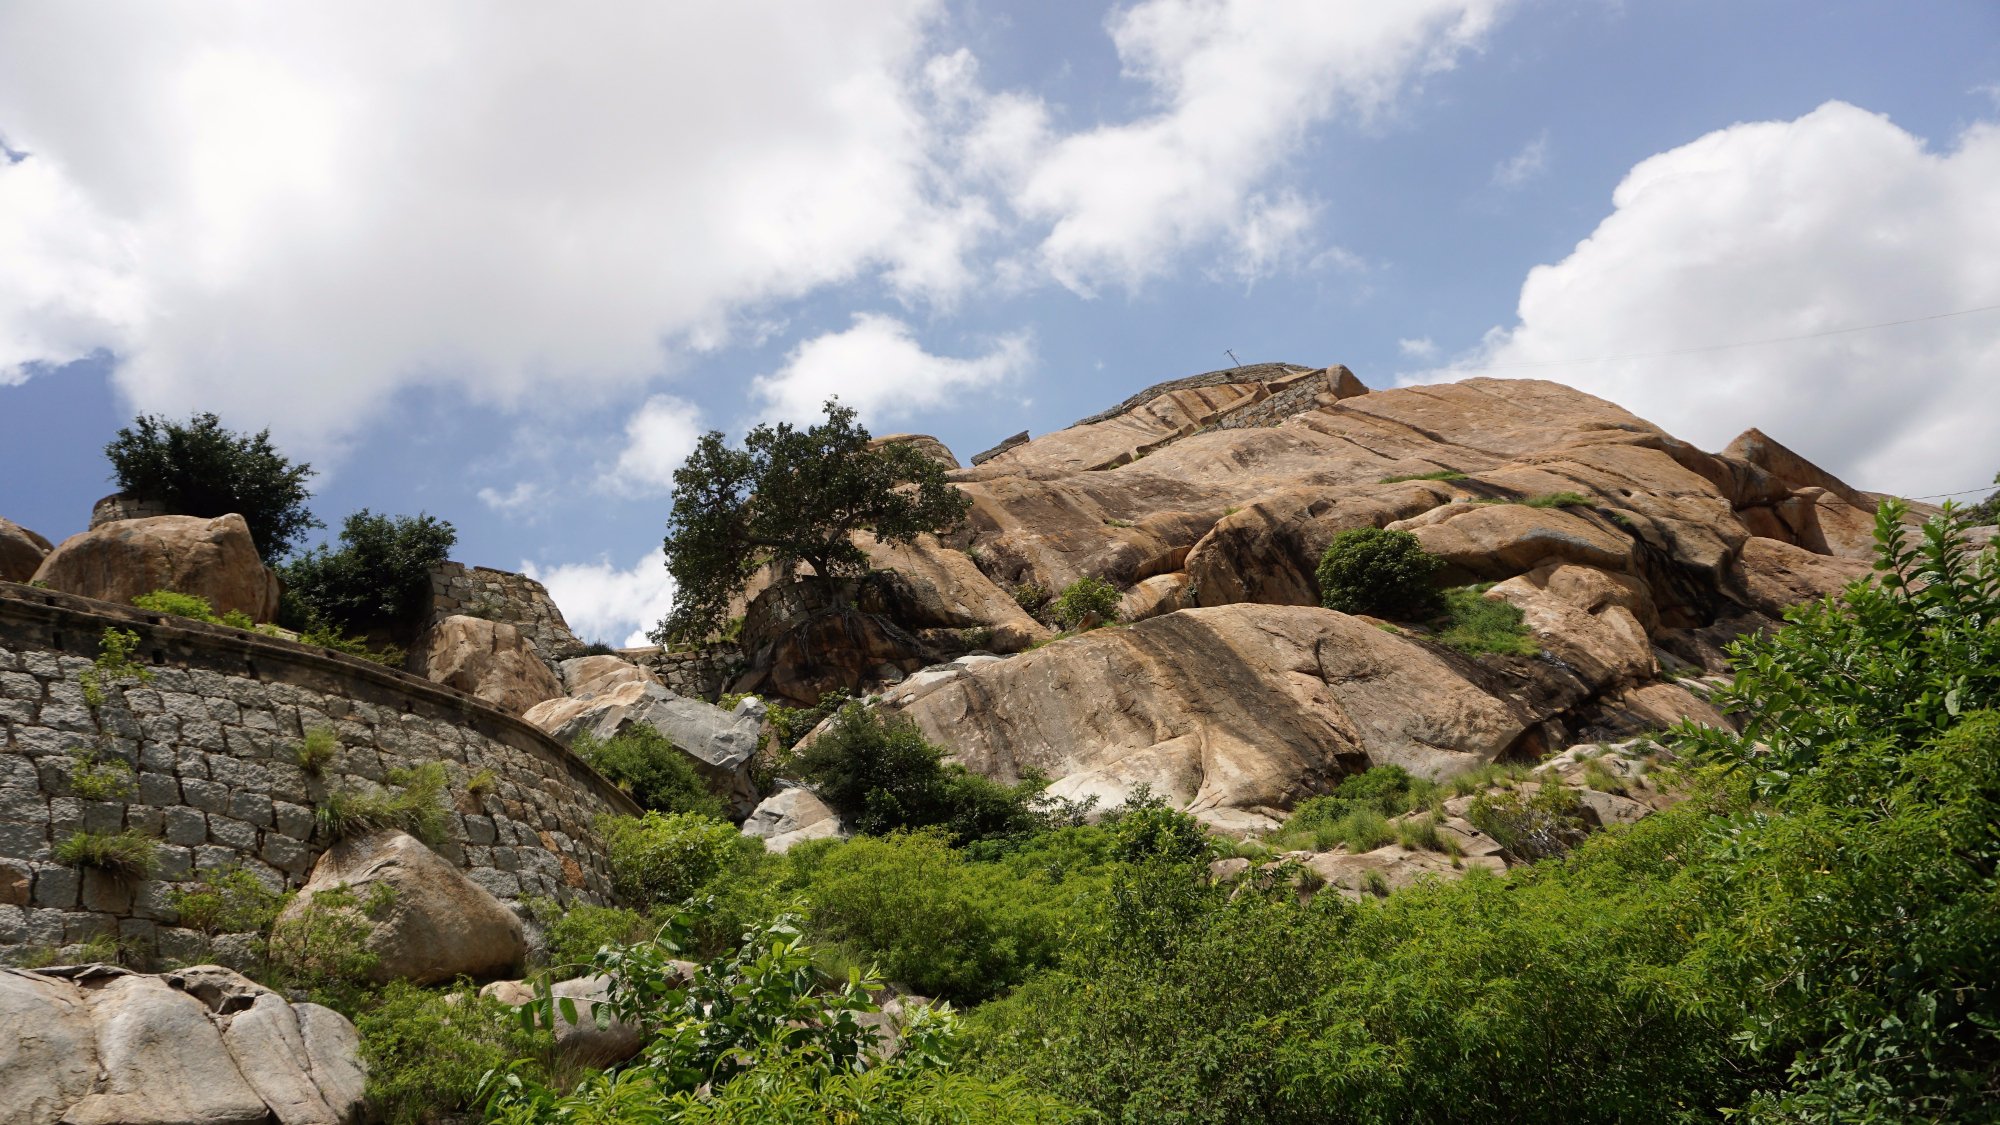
pixel 197 468
pixel 379 576
pixel 788 496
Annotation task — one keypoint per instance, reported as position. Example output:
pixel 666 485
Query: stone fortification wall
pixel 698 673
pixel 1299 395
pixel 500 595
pixel 212 740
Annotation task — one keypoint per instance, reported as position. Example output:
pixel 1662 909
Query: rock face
pixel 209 558
pixel 488 659
pixel 100 1045
pixel 438 924
pixel 21 552
pixel 791 816
pixel 609 696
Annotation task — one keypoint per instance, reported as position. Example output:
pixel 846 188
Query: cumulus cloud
pixel 298 214
pixel 1237 83
pixel 524 498
pixel 604 603
pixel 657 439
pixel 878 367
pixel 1421 348
pixel 1789 229
pixel 1524 166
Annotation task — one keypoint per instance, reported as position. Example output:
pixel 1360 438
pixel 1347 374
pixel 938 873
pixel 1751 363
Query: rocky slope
pixel 1208 501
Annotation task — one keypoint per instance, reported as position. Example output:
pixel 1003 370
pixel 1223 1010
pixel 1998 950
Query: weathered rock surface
pixel 791 816
pixel 1775 575
pixel 209 558
pixel 100 1045
pixel 491 660
pixel 21 552
pixel 922 443
pixel 438 925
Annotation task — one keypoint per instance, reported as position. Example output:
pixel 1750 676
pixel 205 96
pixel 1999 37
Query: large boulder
pixel 1243 706
pixel 21 552
pixel 209 558
pixel 101 1045
pixel 790 816
pixel 488 659
pixel 933 586
pixel 437 925
pixel 1774 575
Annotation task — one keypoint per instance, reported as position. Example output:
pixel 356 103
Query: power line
pixel 1940 495
pixel 1738 344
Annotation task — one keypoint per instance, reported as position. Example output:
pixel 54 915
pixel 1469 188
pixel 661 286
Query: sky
pixel 503 262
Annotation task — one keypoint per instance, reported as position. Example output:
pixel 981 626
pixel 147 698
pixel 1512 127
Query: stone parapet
pixel 500 595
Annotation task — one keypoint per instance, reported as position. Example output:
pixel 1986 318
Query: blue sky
pixel 500 263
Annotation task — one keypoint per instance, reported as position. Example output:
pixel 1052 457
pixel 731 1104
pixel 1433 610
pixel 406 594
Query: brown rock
pixel 1583 617
pixel 1243 706
pixel 439 924
pixel 933 586
pixel 1775 576
pixel 1494 541
pixel 1159 594
pixel 1760 449
pixel 923 443
pixel 488 659
pixel 209 558
pixel 21 552
pixel 582 1042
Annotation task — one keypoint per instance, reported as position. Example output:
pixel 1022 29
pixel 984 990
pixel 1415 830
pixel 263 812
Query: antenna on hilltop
pixel 1232 357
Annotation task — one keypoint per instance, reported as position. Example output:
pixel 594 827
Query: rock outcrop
pixel 101 1045
pixel 21 552
pixel 209 558
pixel 435 924
pixel 491 660
pixel 790 816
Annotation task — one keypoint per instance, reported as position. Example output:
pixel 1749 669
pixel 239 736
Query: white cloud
pixel 1421 348
pixel 1788 228
pixel 877 367
pixel 603 603
pixel 297 213
pixel 657 439
pixel 1238 82
pixel 1528 164
pixel 523 499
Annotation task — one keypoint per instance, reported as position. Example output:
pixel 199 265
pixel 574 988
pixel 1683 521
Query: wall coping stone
pixel 67 622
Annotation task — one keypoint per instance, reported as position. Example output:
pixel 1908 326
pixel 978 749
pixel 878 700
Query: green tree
pixel 380 575
pixel 1386 573
pixel 197 468
pixel 881 774
pixel 789 496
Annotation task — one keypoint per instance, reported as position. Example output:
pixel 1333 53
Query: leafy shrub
pixel 225 901
pixel 666 857
pixel 598 648
pixel 379 576
pixel 113 665
pixel 413 802
pixel 1441 474
pixel 197 468
pixel 96 779
pixel 1146 829
pixel 329 636
pixel 1085 602
pixel 917 909
pixel 1478 625
pixel 1559 500
pixel 322 947
pixel 1031 597
pixel 1530 826
pixel 641 761
pixel 193 606
pixel 1356 814
pixel 127 855
pixel 576 931
pixel 880 774
pixel 1382 573
pixel 427 1050
pixel 316 750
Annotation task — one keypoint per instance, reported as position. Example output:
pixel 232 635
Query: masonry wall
pixel 501 595
pixel 211 739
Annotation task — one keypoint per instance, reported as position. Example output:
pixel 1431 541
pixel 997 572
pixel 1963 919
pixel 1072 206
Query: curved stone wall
pixel 211 740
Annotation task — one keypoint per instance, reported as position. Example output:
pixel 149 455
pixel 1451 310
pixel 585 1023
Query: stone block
pixel 159 788
pixel 103 816
pixel 20 685
pixel 251 808
pixel 286 854
pixel 225 711
pixel 45 927
pixel 25 839
pixel 175 862
pixel 65 816
pixel 180 945
pixel 478 829
pixel 296 821
pixel 203 734
pixel 13 924
pixel 16 880
pixel 41 742
pixel 506 858
pixel 56 886
pixel 208 796
pixel 215 857
pixel 232 833
pixel 18 711
pixel 500 884
pixel 238 773
pixel 80 927
pixel 185 825
pixel 161 728
pixel 152 899
pixel 74 718
pixel 106 893
pixel 146 820
pixel 189 762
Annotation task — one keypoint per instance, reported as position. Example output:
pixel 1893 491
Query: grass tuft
pixel 127 855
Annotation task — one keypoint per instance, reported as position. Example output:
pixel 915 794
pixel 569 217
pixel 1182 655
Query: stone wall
pixel 500 595
pixel 212 739
pixel 698 673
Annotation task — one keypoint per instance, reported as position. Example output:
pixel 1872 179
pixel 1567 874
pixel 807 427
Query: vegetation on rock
pixel 197 468
pixel 641 761
pixel 880 775
pixel 412 802
pixel 1382 573
pixel 787 496
pixel 192 606
pixel 1084 603
pixel 127 855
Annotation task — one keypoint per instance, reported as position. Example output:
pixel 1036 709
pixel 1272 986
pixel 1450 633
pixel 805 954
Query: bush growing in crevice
pixel 193 607
pixel 96 778
pixel 1380 573
pixel 880 774
pixel 1085 603
pixel 641 761
pixel 1478 625
pixel 413 802
pixel 114 665
pixel 126 855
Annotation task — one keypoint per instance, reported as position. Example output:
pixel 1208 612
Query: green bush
pixel 881 775
pixel 574 932
pixel 94 778
pixel 226 901
pixel 667 857
pixel 413 802
pixel 1380 573
pixel 114 664
pixel 1478 625
pixel 426 1050
pixel 1530 826
pixel 641 761
pixel 126 855
pixel 321 948
pixel 1084 603
pixel 926 917
pixel 1441 474
pixel 316 750
pixel 190 605
pixel 329 636
pixel 1559 500
pixel 379 576
pixel 197 468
